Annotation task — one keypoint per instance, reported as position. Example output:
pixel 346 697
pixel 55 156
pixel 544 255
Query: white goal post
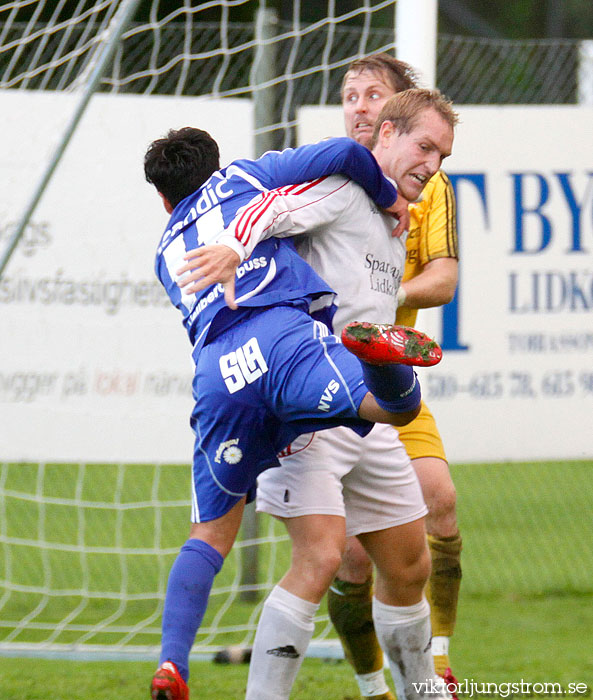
pixel 416 36
pixel 93 499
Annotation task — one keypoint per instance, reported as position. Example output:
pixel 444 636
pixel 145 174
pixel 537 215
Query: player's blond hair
pixel 404 108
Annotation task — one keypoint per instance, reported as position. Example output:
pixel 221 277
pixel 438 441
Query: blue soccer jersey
pixel 265 373
pixel 274 273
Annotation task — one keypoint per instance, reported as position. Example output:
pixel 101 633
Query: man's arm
pixel 334 156
pixel 434 286
pixel 284 212
pixel 329 157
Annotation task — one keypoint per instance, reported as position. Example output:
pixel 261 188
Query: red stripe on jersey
pixel 257 209
pixel 307 204
pixel 301 187
pixel 253 214
pixel 264 201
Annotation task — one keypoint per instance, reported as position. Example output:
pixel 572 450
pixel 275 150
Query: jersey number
pixel 242 366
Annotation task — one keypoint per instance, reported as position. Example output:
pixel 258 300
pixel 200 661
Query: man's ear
pixel 386 132
pixel 166 203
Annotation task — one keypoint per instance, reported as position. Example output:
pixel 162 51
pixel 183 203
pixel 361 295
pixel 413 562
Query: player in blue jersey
pixel 266 371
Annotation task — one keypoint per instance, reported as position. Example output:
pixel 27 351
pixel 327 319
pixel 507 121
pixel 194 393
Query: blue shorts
pixel 258 386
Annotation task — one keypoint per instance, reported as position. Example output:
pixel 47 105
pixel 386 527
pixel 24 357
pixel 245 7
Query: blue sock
pixel 187 595
pixel 395 387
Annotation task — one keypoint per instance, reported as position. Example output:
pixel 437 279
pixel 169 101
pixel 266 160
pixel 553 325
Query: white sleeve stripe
pixel 239 172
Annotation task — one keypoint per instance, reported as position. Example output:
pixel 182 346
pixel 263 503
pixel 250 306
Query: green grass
pixel 526 610
pixel 498 640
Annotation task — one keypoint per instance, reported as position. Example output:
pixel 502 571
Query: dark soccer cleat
pixel 233 655
pixel 386 344
pixel 167 684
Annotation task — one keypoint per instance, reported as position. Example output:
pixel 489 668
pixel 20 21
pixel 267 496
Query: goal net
pixel 94 475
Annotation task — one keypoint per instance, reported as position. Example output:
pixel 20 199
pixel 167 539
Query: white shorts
pixel 370 481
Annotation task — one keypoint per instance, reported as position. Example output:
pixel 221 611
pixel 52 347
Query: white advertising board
pixel 516 382
pixel 94 362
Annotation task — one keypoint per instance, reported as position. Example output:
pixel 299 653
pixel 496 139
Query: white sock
pixel 372 683
pixel 283 634
pixel 440 646
pixel 404 635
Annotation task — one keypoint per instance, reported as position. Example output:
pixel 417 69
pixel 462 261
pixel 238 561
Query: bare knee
pixel 439 494
pixel 441 520
pixel 220 533
pixel 404 585
pixel 402 560
pixel 315 568
pixel 317 547
pixel 414 573
pixel 356 567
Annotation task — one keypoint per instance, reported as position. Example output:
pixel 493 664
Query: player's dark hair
pixel 178 164
pixel 398 74
pixel 403 110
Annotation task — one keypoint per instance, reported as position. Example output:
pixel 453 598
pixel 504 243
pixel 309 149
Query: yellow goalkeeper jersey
pixel 433 234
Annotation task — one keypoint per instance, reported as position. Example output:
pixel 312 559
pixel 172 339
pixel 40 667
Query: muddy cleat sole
pixel 385 344
pixel 167 684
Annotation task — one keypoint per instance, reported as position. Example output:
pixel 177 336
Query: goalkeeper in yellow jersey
pixel 430 279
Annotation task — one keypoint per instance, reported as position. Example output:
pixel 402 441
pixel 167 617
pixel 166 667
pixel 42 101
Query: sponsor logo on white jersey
pixel 384 277
pixel 384 266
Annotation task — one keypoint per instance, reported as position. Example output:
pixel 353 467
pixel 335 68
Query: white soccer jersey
pixel 348 242
pixel 342 234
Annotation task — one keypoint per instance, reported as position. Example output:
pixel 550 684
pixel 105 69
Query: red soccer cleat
pixel 385 344
pixel 451 683
pixel 167 684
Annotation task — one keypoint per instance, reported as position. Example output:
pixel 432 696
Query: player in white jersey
pixel 430 279
pixel 326 476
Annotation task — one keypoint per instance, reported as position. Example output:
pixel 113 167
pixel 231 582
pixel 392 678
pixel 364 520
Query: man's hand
pixel 400 210
pixel 209 265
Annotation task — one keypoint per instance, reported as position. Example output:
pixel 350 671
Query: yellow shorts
pixel 421 437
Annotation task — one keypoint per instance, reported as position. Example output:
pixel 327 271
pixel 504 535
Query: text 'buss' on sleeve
pixel 218 289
